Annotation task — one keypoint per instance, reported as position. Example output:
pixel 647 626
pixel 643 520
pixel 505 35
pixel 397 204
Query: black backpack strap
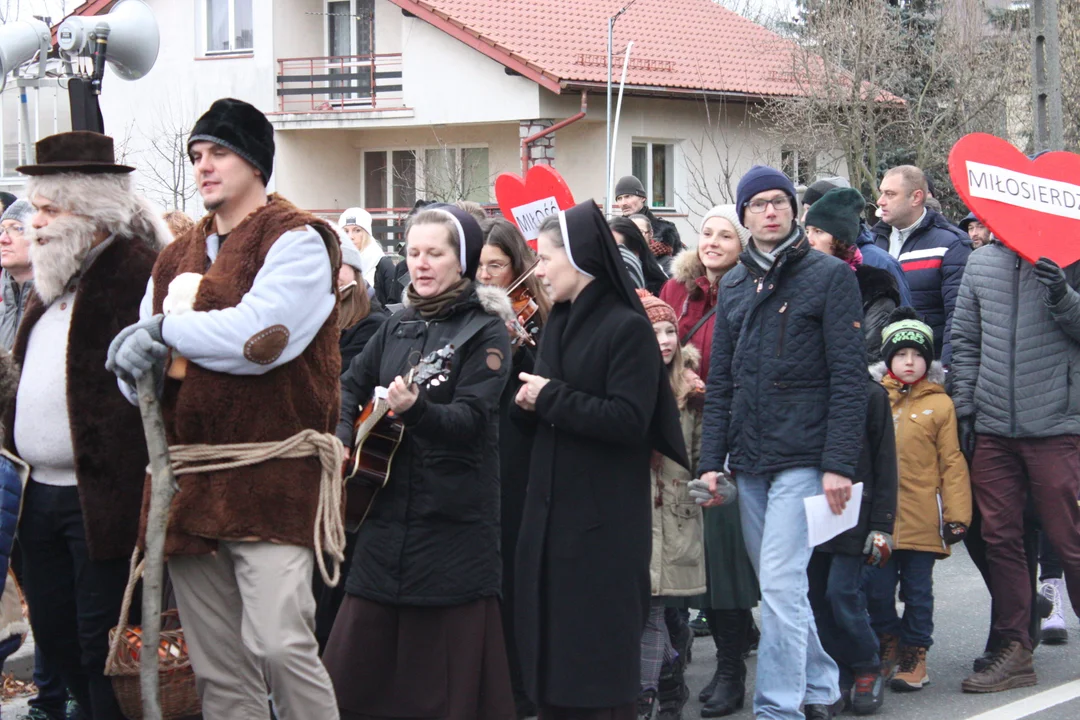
pixel 698 325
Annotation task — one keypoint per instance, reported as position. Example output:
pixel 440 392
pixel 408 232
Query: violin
pixel 526 310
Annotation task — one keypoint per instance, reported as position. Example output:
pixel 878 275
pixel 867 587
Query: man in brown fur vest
pixel 92 244
pixel 259 343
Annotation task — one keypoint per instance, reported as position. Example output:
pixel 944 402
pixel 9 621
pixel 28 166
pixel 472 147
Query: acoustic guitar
pixel 378 433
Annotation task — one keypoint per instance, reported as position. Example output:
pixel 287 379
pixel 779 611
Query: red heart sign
pixel 527 202
pixel 1033 206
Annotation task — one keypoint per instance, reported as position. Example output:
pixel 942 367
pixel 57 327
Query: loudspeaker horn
pixel 19 42
pixel 133 37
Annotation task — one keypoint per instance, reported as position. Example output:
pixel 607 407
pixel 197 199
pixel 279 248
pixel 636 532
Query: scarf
pixel 766 260
pixel 854 258
pixel 430 307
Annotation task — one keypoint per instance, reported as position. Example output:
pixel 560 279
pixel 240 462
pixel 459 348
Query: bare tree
pixel 448 173
pixel 9 11
pixel 714 162
pixel 165 168
pixel 885 85
pixel 1069 17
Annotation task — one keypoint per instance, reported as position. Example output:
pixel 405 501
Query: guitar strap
pixel 466 333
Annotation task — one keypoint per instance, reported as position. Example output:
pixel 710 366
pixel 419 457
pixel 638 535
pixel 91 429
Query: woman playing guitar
pixel 507 262
pixel 419 633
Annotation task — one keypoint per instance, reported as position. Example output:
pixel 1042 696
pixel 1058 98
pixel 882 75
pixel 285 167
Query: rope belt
pixel 329 518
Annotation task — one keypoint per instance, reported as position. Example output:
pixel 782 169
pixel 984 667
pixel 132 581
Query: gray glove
pixel 726 492
pixel 878 548
pixel 137 350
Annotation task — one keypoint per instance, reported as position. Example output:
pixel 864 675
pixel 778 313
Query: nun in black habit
pixel 601 404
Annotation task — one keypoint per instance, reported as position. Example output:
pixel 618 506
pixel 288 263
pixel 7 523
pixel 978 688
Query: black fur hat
pixel 240 127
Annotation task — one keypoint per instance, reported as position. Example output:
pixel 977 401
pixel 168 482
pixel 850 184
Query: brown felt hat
pixel 80 151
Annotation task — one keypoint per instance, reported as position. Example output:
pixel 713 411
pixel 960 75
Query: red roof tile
pixel 679 45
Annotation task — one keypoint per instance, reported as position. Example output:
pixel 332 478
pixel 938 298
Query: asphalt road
pixel 961 620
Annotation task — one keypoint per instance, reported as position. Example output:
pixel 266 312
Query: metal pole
pixel 607 129
pixel 609 176
pixel 1046 76
pixel 615 129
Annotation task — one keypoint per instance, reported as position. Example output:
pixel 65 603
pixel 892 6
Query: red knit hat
pixel 657 309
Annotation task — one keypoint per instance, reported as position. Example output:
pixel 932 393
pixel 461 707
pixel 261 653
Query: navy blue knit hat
pixel 759 179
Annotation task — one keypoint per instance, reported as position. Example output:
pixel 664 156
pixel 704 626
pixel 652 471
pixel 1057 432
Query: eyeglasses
pixel 16 229
pixel 492 268
pixel 778 203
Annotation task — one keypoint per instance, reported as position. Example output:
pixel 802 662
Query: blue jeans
pixel 792 665
pixel 839 603
pixel 914 570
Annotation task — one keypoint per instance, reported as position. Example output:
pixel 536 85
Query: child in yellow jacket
pixel 933 504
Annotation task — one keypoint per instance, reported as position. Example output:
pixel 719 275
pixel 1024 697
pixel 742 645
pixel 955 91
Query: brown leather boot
pixel 889 653
pixel 1011 668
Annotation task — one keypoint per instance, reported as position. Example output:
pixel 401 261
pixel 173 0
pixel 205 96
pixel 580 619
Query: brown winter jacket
pixel 677 567
pixel 275 500
pixel 934 487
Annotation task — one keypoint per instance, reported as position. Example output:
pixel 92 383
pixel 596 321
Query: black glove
pixel 1053 277
pixel 954 532
pixel 965 432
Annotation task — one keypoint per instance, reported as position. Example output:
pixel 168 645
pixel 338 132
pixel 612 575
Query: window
pixel 397 178
pixel 799 166
pixel 654 164
pixel 350 36
pixel 229 26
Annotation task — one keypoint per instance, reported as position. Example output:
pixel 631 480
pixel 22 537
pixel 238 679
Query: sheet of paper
pixel 822 525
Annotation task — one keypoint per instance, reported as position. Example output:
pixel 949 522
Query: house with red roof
pixel 378 103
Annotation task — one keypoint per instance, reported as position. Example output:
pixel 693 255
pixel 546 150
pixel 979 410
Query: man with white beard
pixel 93 244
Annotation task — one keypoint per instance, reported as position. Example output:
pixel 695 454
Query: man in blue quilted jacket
pixel 931 250
pixel 785 409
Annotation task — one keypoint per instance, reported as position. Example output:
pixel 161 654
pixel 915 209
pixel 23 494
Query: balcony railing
pixel 341 83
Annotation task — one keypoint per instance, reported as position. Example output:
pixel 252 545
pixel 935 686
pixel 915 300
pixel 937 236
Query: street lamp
pixel 608 174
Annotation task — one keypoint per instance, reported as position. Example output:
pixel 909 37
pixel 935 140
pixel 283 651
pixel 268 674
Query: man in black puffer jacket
pixel 787 399
pixel 931 250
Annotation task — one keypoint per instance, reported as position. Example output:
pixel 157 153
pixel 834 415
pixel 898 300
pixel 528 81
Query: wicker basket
pixel 177 680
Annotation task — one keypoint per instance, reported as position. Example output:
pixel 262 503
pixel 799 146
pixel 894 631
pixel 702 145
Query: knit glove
pixel 1053 278
pixel 954 532
pixel 878 548
pixel 725 492
pixel 137 350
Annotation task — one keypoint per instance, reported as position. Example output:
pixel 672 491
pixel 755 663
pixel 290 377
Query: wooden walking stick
pixel 162 488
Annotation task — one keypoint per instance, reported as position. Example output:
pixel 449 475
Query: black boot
pixel 732 639
pixel 672 693
pixel 711 622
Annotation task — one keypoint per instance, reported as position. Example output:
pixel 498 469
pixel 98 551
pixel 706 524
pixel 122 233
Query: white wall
pixel 183 84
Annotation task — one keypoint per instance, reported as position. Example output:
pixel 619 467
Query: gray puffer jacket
pixel 1016 359
pixel 11 310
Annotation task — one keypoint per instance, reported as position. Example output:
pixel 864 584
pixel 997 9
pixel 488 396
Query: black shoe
pixel 669 706
pixel 818 712
pixel 731 632
pixel 700 624
pixel 869 692
pixel 646 703
pixel 983 661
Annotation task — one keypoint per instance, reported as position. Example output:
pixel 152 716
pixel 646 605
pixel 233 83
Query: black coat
pixel 664 231
pixel 880 296
pixel 432 535
pixel 877 471
pixel 586 535
pixel 786 376
pixel 386 288
pixel 354 339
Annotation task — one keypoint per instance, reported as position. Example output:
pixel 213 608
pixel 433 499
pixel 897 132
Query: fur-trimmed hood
pixel 687 268
pixel 936 373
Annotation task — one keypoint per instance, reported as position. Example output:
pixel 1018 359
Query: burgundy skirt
pixel 437 663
